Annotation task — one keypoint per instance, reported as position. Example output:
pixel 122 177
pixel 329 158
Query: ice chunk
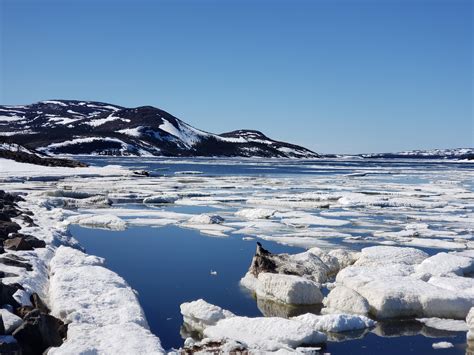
pixel 344 299
pixel 381 255
pixel 161 199
pixel 335 322
pixel 106 221
pixel 206 219
pixel 200 314
pixel 255 213
pixel 443 264
pixel 288 289
pixel 442 345
pixel 453 325
pixel 265 334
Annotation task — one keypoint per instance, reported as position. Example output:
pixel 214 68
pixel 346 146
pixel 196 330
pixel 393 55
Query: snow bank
pixel 265 334
pixel 106 221
pixel 335 322
pixel 288 289
pixel 99 305
pixel 200 314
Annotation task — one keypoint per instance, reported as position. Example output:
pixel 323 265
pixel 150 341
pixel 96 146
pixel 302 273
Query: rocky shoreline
pixel 26 325
pixel 57 299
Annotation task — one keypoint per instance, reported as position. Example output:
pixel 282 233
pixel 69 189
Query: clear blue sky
pixel 333 75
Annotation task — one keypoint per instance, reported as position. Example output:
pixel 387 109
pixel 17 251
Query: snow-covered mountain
pixel 455 153
pixel 86 127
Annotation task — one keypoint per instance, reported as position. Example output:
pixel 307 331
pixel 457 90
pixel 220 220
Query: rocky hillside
pixel 86 127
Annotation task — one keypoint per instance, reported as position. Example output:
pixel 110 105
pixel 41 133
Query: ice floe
pixel 265 333
pixel 255 213
pixel 105 221
pixel 199 314
pixel 288 289
pixel 335 323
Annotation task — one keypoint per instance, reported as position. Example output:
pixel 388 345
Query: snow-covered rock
pixel 335 322
pixel 265 334
pixel 288 289
pixel 10 320
pixel 199 314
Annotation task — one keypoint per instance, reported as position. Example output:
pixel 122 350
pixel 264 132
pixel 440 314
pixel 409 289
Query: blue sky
pixel 334 75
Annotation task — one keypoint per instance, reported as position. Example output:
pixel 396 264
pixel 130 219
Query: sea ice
pixel 289 289
pixel 335 322
pixel 265 333
pixel 200 314
pixel 255 213
pixel 106 221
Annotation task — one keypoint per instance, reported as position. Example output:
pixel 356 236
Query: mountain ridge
pixel 92 127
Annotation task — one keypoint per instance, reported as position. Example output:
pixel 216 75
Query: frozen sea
pixel 348 203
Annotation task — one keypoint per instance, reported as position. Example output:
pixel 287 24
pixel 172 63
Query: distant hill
pixel 455 153
pixel 86 127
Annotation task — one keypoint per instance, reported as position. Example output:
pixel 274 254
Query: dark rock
pixel 17 244
pixel 9 346
pixel 141 173
pixel 10 210
pixel 6 294
pixel 8 227
pixel 38 303
pixel 28 220
pixel 23 311
pixel 262 261
pixel 38 332
pixel 2 326
pixel 4 217
pixel 33 242
pixel 10 260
